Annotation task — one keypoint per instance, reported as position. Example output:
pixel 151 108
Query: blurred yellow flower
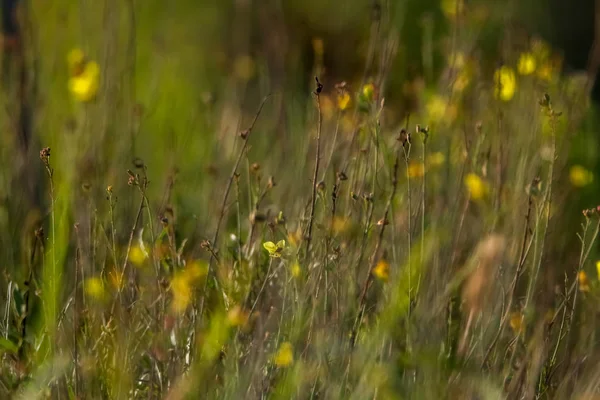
pixel 436 107
pixel 451 8
pixel 579 176
pixel 598 269
pixel 182 292
pixel 526 64
pixel 296 270
pixel 195 270
pixel 477 188
pixel 343 101
pixel 584 283
pixel 436 159
pixel 382 270
pixel 85 85
pixel 274 250
pixel 94 287
pixel 505 83
pixel 368 91
pixel 516 322
pixel 237 317
pixel 416 169
pixel 284 356
pixel 137 256
pixel 461 81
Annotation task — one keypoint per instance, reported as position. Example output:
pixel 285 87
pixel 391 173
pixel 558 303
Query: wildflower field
pixel 295 200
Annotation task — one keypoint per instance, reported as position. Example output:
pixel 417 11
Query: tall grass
pixel 203 232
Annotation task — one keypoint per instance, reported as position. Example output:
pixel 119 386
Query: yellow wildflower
pixel 416 169
pixel 94 287
pixel 85 85
pixel 436 107
pixel 343 101
pixel 274 250
pixel 505 83
pixel 284 356
pixel 196 270
pixel 476 186
pixel 368 91
pixel 182 292
pixel 382 270
pixel 526 65
pixel 296 270
pixel 516 322
pixel 137 256
pixel 436 159
pixel 598 269
pixel 579 176
pixel 584 283
pixel 237 317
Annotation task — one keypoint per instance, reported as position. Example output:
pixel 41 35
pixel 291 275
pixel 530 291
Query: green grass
pixel 435 245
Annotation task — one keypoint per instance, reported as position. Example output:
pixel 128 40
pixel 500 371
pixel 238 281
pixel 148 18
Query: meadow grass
pixel 192 229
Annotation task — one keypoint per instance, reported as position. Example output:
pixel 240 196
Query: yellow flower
pixel 237 317
pixel 598 269
pixel 526 65
pixel 343 101
pixel 584 283
pixel 94 287
pixel 436 159
pixel 182 292
pixel 436 107
pixel 516 322
pixel 274 250
pixel 296 270
pixel 284 356
pixel 85 85
pixel 195 270
pixel 579 176
pixel 137 255
pixel 505 83
pixel 368 91
pixel 416 169
pixel 477 188
pixel 382 270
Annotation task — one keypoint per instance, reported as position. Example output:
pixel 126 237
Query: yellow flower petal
pixel 477 188
pixel 284 356
pixel 526 64
pixel 580 177
pixel 382 270
pixel 505 83
pixel 343 101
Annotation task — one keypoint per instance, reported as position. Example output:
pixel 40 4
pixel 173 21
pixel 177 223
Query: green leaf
pixel 7 345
